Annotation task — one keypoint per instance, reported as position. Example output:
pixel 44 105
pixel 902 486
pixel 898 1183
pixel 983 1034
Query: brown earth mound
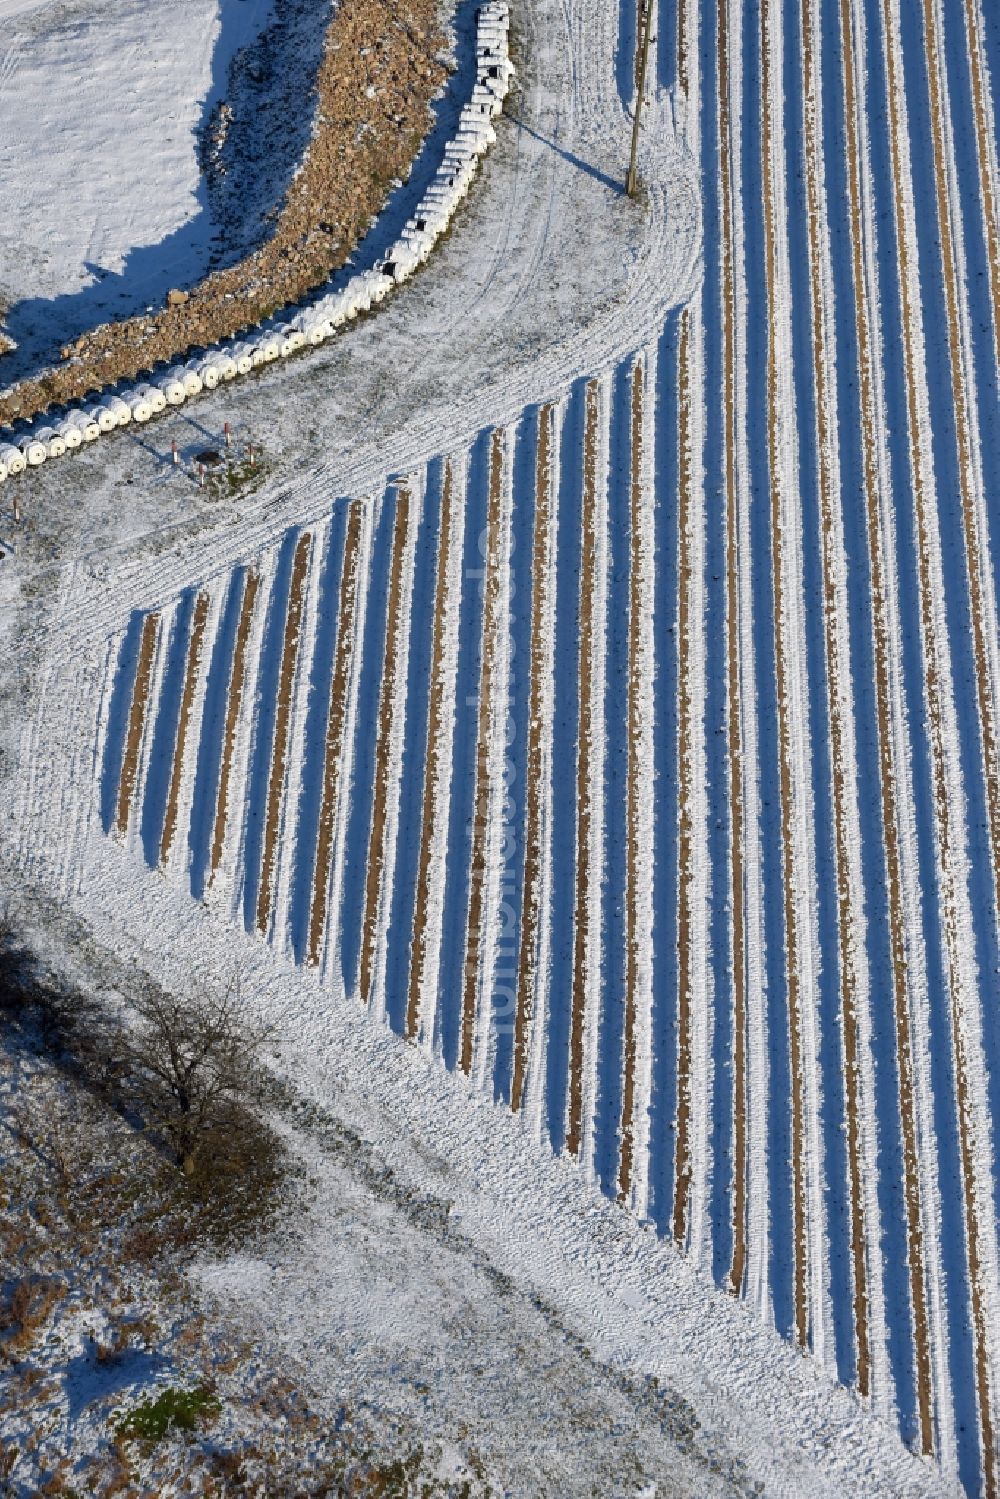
pixel 380 70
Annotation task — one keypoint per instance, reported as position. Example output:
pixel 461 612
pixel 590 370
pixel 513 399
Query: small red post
pixel 250 452
pixel 173 449
pixel 227 434
pixel 201 477
pixel 17 512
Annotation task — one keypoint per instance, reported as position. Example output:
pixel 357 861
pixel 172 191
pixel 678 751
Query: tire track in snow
pixel 136 721
pixel 192 669
pixel 279 748
pixel 334 746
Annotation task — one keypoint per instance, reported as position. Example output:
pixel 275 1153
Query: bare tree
pixel 197 1066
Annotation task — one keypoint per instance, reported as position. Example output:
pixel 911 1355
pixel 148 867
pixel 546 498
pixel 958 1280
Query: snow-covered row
pixel 48 437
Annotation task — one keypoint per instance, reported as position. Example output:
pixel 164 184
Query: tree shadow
pixel 264 69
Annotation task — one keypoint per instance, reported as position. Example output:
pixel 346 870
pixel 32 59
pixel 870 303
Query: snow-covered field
pixel 583 737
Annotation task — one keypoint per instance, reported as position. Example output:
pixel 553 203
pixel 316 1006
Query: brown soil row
pixel 840 745
pixel 734 705
pixel 634 810
pixel 584 810
pixel 789 872
pixel 436 734
pixel 964 440
pixel 136 720
pixel 991 217
pixel 279 751
pixel 685 756
pixel 887 779
pixel 541 561
pixel 336 719
pixel 388 708
pixel 379 71
pixel 183 723
pixel 477 869
pixel 237 679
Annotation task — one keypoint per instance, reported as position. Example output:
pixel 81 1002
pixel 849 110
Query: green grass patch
pixel 181 1409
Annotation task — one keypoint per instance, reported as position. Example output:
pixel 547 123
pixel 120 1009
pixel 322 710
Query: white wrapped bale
pixel 292 340
pixel 104 416
pixel 208 373
pixel 173 387
pixel 193 384
pixel 139 406
pixel 90 429
pixel 70 434
pixel 270 344
pixel 154 395
pixel 226 364
pixel 120 410
pixel 13 459
pixel 34 451
pixel 55 447
pixel 244 358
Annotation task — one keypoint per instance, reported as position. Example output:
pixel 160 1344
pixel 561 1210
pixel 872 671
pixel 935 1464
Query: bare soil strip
pixel 584 810
pixel 887 777
pixel 789 872
pixel 184 719
pixel 841 742
pixel 974 564
pixel 541 553
pixel 436 730
pixel 336 718
pixel 237 679
pixel 987 187
pixel 136 720
pixel 381 67
pixel 279 751
pixel 633 809
pixel 734 708
pixel 685 754
pixel 784 733
pixel 388 707
pixel 478 872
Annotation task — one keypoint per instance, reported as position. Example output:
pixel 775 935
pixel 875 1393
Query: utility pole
pixel 632 181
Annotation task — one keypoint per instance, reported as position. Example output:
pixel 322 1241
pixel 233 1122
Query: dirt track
pixel 887 780
pixel 436 729
pixel 584 811
pixel 360 145
pixel 789 872
pixel 184 719
pixel 839 738
pixel 634 811
pixel 136 720
pixel 541 558
pixel 279 751
pixel 237 678
pixel 337 716
pixel 685 750
pixel 480 824
pixel 391 703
